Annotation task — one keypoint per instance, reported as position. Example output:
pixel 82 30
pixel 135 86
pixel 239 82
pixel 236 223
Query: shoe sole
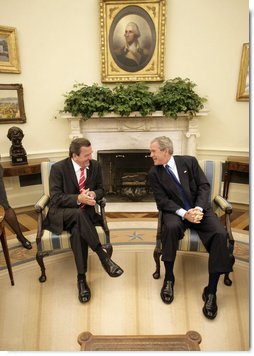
pixel 113 275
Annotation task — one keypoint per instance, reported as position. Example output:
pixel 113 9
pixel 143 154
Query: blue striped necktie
pixel 181 191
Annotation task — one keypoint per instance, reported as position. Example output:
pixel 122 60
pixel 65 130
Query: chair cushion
pixel 191 242
pixel 51 242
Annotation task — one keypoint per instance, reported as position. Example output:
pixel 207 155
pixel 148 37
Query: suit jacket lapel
pixel 183 174
pixel 88 175
pixel 168 182
pixel 72 173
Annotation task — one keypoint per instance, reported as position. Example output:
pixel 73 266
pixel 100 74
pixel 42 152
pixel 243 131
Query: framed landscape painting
pixel 11 104
pixel 132 40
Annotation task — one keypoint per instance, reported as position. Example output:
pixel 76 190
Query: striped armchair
pixel 49 243
pixel 191 241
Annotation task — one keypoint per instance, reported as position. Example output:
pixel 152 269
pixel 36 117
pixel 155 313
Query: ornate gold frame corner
pixel 149 16
pixel 9 58
pixel 243 80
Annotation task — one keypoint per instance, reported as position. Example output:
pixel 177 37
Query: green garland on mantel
pixel 173 97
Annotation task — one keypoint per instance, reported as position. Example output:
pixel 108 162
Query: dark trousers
pixel 83 235
pixel 211 232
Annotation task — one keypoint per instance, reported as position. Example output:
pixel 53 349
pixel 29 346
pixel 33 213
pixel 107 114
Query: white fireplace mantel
pixel 135 132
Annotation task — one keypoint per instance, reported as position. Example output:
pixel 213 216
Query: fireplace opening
pixel 125 174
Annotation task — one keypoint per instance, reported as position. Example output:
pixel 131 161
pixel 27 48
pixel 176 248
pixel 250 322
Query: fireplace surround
pixel 123 137
pixel 135 132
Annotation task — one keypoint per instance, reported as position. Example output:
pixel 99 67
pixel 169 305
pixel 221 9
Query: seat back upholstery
pixel 45 171
pixel 213 172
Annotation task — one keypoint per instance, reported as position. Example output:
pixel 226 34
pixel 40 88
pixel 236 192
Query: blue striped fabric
pixel 213 172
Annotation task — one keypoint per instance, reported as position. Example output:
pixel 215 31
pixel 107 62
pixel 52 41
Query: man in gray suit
pixel 181 191
pixel 75 185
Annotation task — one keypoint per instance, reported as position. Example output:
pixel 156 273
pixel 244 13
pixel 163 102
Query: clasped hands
pixel 194 215
pixel 87 197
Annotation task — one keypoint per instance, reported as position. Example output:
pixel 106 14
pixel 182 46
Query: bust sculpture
pixel 17 151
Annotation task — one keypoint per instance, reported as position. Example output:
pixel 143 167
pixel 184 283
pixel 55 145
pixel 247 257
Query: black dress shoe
pixel 111 267
pixel 25 243
pixel 167 292
pixel 210 307
pixel 84 293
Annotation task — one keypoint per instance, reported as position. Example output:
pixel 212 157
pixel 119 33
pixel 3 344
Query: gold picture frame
pixel 12 104
pixel 9 58
pixel 145 21
pixel 243 80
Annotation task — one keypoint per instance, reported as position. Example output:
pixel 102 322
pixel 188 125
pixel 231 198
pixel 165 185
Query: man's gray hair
pixel 76 145
pixel 134 28
pixel 164 143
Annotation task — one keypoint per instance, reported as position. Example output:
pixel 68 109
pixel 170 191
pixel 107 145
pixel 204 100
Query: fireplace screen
pixel 125 174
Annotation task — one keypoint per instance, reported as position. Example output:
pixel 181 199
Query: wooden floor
pixel 49 317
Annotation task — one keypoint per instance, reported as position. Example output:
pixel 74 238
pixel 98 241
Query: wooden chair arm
pixel 42 203
pixel 223 204
pixel 102 202
pixel 226 207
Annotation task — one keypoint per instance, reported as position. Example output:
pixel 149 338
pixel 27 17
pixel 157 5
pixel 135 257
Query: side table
pixel 32 167
pixel 234 164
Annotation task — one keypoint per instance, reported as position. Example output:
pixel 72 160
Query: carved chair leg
pixel 39 259
pixel 227 280
pixel 156 256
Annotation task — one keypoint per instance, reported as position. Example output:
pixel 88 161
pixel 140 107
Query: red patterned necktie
pixel 81 183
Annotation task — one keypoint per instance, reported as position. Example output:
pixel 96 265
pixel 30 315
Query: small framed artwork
pixel 243 80
pixel 132 40
pixel 9 58
pixel 12 104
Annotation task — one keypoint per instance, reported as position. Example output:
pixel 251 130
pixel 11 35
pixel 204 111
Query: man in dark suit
pixel 181 191
pixel 75 185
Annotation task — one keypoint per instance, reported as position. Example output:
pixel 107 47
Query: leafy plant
pixel 85 100
pixel 176 96
pixel 173 97
pixel 133 97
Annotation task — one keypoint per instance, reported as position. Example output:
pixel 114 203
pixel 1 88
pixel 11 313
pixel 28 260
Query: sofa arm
pixel 41 203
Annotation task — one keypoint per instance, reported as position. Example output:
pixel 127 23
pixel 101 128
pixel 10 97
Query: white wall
pixel 59 44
